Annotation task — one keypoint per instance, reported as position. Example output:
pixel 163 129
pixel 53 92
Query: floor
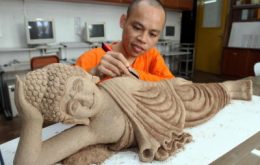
pixel 10 129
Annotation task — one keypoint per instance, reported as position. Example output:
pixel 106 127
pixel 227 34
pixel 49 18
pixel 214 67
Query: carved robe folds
pixel 156 113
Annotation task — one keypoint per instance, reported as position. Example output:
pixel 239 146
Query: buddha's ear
pixel 95 79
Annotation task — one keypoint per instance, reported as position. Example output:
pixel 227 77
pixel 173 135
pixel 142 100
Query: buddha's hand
pixel 26 111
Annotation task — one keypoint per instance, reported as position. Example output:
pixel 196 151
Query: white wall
pixel 14 12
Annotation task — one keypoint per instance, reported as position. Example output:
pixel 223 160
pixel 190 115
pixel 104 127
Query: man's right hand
pixel 113 64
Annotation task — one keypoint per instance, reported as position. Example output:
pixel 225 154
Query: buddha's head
pixel 62 93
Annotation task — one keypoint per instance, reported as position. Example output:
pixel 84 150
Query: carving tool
pixel 106 48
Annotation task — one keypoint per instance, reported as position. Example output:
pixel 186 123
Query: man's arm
pixel 157 69
pixel 103 64
pixel 90 59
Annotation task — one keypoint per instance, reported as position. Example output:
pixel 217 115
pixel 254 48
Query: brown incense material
pixel 94 154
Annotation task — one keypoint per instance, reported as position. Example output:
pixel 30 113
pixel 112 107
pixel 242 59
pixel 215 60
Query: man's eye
pixel 137 27
pixel 153 35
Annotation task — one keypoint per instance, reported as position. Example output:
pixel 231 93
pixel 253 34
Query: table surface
pixel 231 126
pixel 175 53
pixel 256 84
pixel 246 153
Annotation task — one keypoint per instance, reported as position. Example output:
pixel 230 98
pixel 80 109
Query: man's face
pixel 141 30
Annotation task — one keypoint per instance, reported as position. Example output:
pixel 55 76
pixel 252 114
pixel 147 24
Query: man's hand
pixel 113 64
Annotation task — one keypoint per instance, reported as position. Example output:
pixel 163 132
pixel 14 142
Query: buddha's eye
pixel 85 103
pixel 78 85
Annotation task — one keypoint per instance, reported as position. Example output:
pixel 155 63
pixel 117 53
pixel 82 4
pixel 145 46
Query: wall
pixel 14 12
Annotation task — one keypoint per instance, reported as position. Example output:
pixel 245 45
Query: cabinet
pixel 235 62
pixel 238 61
pixel 178 4
pixel 126 1
pixel 171 4
pixel 96 1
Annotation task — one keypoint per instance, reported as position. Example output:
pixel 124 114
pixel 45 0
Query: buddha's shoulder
pixel 126 83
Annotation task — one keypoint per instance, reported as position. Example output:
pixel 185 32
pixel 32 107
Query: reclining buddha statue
pixel 121 112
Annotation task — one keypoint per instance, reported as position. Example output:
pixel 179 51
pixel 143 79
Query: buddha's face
pixel 80 100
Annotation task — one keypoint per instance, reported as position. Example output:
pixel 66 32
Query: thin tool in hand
pixel 106 48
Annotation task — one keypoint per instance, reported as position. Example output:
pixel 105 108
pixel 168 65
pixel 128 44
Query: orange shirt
pixel 150 65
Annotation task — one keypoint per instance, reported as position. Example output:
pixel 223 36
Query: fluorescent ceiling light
pixel 39 19
pixel 209 1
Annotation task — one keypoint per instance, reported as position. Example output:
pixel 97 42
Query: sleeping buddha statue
pixel 121 112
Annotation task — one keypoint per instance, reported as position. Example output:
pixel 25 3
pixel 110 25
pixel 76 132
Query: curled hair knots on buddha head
pixel 45 87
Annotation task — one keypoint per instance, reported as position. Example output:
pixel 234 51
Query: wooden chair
pixel 41 61
pixel 257 69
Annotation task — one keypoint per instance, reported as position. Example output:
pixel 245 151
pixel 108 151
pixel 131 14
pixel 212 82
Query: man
pixel 136 51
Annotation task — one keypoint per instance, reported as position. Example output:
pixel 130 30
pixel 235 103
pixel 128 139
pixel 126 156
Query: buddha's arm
pixel 29 145
pixel 32 150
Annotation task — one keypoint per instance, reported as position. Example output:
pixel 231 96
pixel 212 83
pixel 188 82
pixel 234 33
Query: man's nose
pixel 142 37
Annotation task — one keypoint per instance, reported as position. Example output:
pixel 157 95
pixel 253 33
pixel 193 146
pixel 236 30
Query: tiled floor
pixel 9 129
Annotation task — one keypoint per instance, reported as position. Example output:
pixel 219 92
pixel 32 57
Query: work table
pixel 234 124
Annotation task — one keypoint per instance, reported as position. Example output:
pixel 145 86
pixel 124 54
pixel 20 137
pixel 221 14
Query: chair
pixel 257 69
pixel 41 61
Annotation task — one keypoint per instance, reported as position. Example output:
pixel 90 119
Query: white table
pixel 179 62
pixel 234 124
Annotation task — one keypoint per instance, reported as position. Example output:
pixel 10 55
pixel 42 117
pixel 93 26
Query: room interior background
pixel 69 20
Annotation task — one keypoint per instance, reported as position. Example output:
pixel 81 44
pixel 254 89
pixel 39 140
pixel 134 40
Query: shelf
pixel 175 53
pixel 228 47
pixel 77 45
pixel 30 49
pixel 249 20
pixel 17 67
pixel 16 49
pixel 184 60
pixel 246 15
pixel 246 6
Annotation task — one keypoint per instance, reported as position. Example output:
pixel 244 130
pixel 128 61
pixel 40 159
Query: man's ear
pixel 122 21
pixel 95 79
